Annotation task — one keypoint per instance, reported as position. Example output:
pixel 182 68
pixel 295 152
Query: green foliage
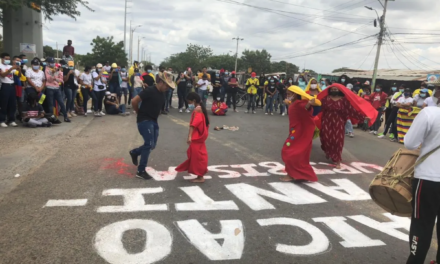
pixel 284 66
pixel 259 61
pixel 50 8
pixel 195 56
pixel 104 49
pixel 48 51
pixel 343 69
pixel 221 62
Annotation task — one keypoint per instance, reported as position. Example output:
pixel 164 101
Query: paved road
pixel 77 201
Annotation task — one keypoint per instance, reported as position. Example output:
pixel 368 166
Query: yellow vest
pixel 253 85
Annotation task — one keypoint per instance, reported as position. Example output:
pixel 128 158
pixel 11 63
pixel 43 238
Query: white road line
pixel 55 203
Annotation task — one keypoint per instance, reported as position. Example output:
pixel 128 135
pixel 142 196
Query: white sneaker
pixel 351 135
pixel 375 132
pixel 97 114
pixel 187 110
pixel 3 124
pixel 85 114
pixel 381 136
pixel 13 124
pixel 180 110
pixel 371 132
pixel 247 111
pixel 254 112
pixel 102 113
pixel 266 113
pixel 271 113
pixel 73 114
pixel 283 114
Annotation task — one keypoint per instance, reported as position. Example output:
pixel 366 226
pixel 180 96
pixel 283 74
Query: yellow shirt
pixel 266 83
pixel 254 83
pixel 418 92
pixel 207 74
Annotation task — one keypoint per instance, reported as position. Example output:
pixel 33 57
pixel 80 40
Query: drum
pixel 391 189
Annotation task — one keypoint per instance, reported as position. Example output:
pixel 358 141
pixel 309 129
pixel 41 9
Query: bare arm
pixel 135 102
pixel 191 130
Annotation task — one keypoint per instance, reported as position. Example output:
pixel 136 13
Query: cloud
pixel 291 29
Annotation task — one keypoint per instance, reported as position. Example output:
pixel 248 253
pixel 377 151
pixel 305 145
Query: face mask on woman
pixel 36 67
pixel 52 65
pixel 314 86
pixel 343 80
pixel 323 83
pixel 191 107
pixel 24 61
pixel 226 73
pixel 44 64
pixel 7 62
pixel 334 93
pixel 272 81
pixel 217 74
pixel 149 71
pixel 290 81
pixel 401 90
pixel 377 90
pixel 394 89
pixel 423 95
pixel 123 70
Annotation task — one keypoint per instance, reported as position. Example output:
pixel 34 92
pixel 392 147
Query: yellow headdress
pixel 310 83
pixel 303 94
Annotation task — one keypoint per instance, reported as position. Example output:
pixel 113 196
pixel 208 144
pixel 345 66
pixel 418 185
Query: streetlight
pixel 139 42
pixel 372 9
pixel 236 53
pixel 131 41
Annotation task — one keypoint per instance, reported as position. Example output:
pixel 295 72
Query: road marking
pixel 67 203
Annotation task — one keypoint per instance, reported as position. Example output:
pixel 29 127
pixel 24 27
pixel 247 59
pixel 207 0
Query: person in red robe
pixel 338 105
pixel 298 146
pixel 197 162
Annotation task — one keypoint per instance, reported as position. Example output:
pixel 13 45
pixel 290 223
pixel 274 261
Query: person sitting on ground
pixel 112 106
pixel 33 113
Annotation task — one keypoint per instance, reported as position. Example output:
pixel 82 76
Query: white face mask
pixel 314 86
pixel 290 98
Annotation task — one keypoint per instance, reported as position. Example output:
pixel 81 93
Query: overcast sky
pixel 289 31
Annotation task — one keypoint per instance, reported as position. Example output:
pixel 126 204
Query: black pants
pixel 260 93
pixel 216 93
pixel 232 94
pixel 391 120
pixel 98 102
pixel 377 124
pixel 426 207
pixel 181 93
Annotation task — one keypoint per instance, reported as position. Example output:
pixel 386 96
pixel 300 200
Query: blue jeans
pixel 7 102
pixel 149 131
pixel 280 102
pixel 52 96
pixel 270 101
pixel 251 101
pixel 348 127
pixel 203 95
pixel 137 91
pixel 70 96
pixel 168 96
pixel 115 88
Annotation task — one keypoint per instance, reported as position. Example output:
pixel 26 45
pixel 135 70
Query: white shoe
pixel 381 136
pixel 13 124
pixel 3 124
pixel 254 112
pixel 266 113
pixel 283 114
pixel 102 113
pixel 247 111
pixel 97 114
pixel 271 113
pixel 85 114
pixel 375 132
pixel 180 110
pixel 73 114
pixel 371 132
pixel 187 110
pixel 351 135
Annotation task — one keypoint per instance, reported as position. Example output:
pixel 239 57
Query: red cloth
pixel 378 99
pixel 197 162
pixel 18 90
pixel 298 146
pixel 69 49
pixel 334 116
pixel 358 103
pixel 219 108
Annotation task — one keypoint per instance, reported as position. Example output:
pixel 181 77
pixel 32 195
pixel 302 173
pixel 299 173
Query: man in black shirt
pixel 153 99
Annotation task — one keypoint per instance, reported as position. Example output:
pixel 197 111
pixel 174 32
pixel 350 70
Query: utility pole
pixel 236 52
pixel 125 27
pixel 129 53
pixel 139 42
pixel 380 41
pixel 57 51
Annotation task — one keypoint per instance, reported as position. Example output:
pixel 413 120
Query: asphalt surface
pixel 88 160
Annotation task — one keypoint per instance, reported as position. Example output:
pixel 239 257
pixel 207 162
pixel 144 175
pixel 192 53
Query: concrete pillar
pixel 23 25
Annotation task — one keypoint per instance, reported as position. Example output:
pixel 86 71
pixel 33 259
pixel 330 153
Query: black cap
pixel 50 60
pixel 35 61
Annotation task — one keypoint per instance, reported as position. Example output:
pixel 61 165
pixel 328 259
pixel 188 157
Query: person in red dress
pixel 338 105
pixel 197 162
pixel 298 146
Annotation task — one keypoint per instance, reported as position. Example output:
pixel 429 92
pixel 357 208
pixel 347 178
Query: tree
pixel 284 66
pixel 48 51
pixel 343 69
pixel 50 8
pixel 226 62
pixel 259 61
pixel 195 56
pixel 105 49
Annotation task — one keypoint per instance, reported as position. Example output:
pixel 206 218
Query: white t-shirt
pixel 86 78
pixel 97 82
pixel 204 86
pixel 425 131
pixel 403 100
pixel 10 77
pixel 36 77
pixel 430 102
pixel 108 68
pixel 77 74
pixel 124 83
pixel 420 101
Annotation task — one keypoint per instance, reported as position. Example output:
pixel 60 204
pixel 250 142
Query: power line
pixel 369 53
pixel 275 11
pixel 386 60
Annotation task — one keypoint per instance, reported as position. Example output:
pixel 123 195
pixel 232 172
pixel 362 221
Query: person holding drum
pixel 424 131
